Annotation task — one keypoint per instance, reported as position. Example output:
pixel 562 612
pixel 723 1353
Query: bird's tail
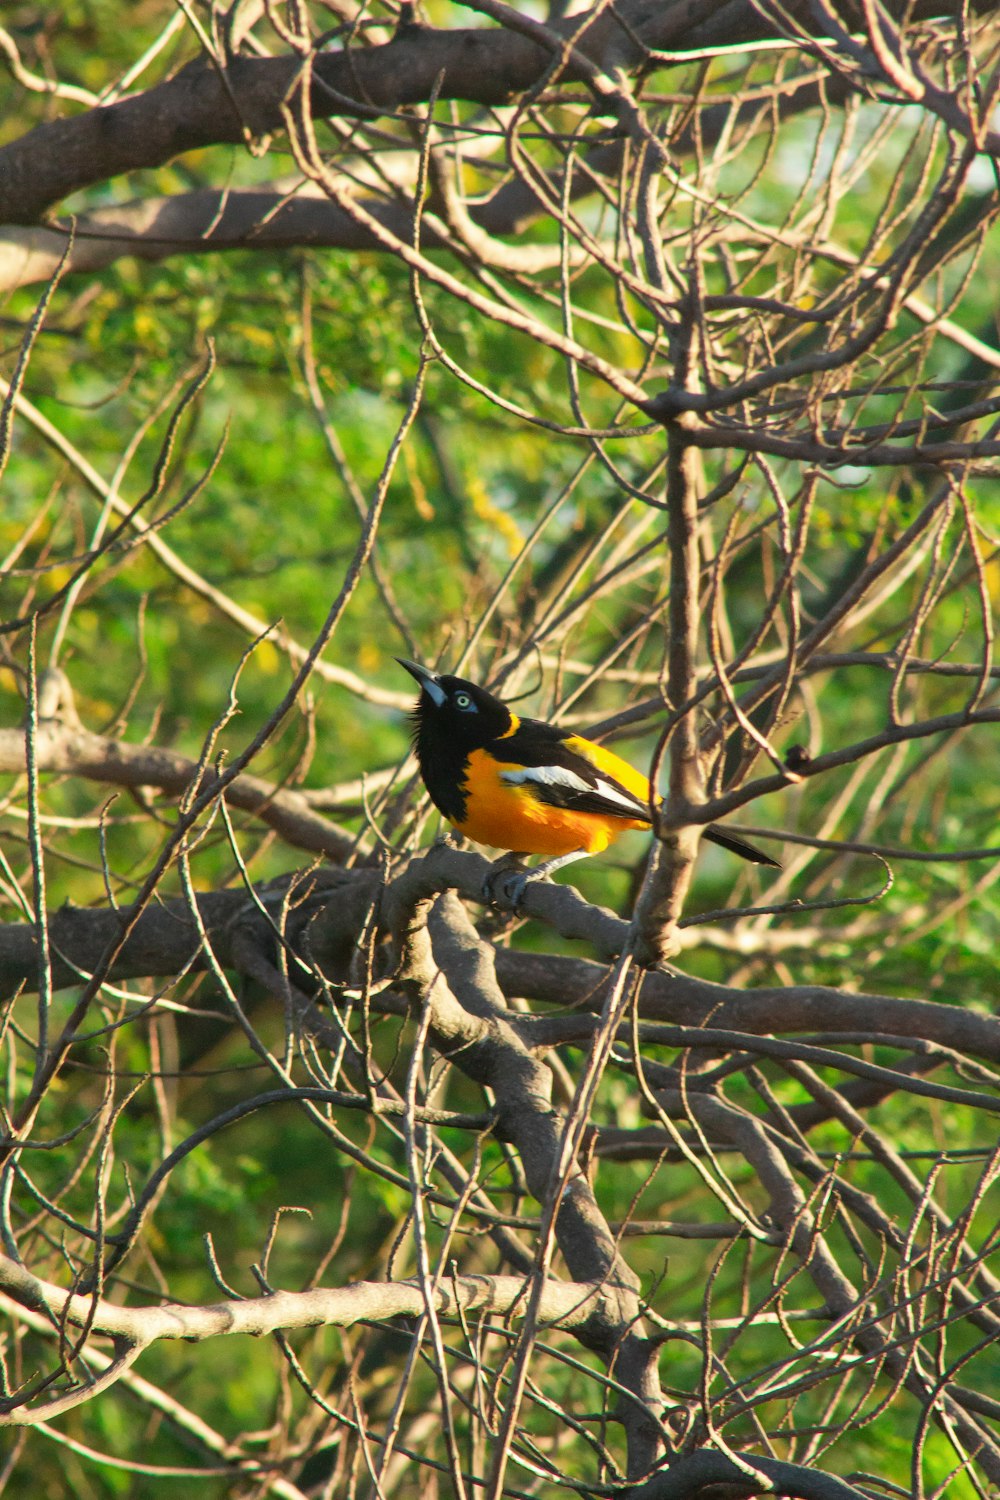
pixel 717 835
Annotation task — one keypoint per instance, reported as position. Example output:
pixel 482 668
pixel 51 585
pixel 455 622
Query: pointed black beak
pixel 427 679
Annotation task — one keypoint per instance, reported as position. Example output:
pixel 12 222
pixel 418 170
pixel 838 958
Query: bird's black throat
pixel 443 762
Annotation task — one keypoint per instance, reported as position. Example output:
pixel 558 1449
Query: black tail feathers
pixel 717 835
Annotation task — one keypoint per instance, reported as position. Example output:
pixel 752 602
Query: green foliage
pixel 487 515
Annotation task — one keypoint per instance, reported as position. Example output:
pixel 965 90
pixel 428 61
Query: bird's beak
pixel 427 679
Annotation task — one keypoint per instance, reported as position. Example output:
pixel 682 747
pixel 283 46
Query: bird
pixel 527 786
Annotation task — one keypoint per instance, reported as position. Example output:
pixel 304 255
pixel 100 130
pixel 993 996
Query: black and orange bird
pixel 527 786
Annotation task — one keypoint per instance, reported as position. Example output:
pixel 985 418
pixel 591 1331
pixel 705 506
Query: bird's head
pixel 458 713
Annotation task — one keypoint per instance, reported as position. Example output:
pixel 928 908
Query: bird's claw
pixel 505 883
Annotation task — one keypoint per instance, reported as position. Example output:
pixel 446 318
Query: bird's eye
pixel 462 700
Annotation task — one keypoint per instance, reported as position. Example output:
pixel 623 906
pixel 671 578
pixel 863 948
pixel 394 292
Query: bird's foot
pixel 506 881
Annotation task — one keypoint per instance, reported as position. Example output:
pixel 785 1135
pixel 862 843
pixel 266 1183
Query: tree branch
pixel 70 749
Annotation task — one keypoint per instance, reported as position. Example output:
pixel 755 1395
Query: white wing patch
pixel 616 796
pixel 547 776
pixel 624 799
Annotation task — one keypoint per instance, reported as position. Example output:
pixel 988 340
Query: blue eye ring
pixel 462 700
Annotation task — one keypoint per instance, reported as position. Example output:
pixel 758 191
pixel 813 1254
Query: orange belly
pixel 509 817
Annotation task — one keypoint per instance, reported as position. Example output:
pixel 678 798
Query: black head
pixel 453 713
pixel 452 718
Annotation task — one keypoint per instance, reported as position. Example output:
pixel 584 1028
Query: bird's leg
pixel 509 877
pixel 542 871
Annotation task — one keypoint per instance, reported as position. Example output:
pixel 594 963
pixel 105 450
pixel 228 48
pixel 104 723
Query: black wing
pixel 559 776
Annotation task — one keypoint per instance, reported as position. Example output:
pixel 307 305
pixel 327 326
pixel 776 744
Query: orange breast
pixel 509 817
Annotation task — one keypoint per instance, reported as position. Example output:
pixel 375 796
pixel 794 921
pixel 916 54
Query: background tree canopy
pixel 639 361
